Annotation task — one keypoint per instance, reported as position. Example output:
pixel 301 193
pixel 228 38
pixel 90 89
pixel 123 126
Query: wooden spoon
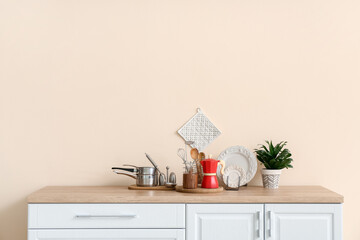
pixel 196 156
pixel 194 153
pixel 202 156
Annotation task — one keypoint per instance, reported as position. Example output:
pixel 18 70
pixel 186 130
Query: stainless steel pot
pixel 145 176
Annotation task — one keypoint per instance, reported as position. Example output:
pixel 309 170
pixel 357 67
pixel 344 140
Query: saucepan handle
pixel 125 169
pixel 129 165
pixel 126 174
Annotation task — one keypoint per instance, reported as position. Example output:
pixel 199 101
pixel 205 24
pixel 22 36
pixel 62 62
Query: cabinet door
pixel 224 221
pixel 303 221
pixel 110 234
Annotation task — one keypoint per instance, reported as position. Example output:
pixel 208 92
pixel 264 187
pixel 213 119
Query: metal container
pixel 144 176
pixel 147 180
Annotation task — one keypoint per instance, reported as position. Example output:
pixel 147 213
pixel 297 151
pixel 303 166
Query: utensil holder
pixel 190 180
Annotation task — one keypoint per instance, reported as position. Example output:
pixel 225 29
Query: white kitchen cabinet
pixel 169 221
pixel 224 221
pixel 252 213
pixel 104 234
pixel 303 221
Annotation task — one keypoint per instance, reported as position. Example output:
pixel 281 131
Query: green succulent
pixel 274 157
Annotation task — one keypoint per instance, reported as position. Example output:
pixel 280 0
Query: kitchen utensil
pixel 209 168
pixel 162 179
pixel 145 176
pixel 187 163
pixel 200 130
pixel 201 157
pixel 152 162
pixel 126 169
pixel 126 174
pixel 137 170
pixel 182 154
pixel 172 178
pixel 234 176
pixel 188 143
pixel 199 170
pixel 167 173
pixel 241 157
pixel 194 153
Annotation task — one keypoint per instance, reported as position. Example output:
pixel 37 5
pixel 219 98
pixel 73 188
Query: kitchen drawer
pixel 106 216
pixel 107 234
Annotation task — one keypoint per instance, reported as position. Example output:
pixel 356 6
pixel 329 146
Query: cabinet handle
pixel 106 216
pixel 270 223
pixel 258 220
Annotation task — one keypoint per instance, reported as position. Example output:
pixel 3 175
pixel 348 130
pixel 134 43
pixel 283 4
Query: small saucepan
pixel 145 176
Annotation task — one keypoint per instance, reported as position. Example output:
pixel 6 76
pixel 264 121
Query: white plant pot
pixel 271 178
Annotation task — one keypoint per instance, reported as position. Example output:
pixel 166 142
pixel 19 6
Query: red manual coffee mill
pixel 209 169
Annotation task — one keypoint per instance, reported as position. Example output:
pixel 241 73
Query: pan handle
pixel 125 169
pixel 129 165
pixel 126 174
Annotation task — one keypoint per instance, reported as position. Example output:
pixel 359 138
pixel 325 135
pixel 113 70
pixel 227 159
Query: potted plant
pixel 274 158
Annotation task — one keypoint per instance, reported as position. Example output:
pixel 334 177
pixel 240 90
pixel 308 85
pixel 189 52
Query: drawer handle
pixel 106 216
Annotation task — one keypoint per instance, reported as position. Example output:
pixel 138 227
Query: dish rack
pixel 232 188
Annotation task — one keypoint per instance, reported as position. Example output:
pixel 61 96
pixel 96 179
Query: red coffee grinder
pixel 209 169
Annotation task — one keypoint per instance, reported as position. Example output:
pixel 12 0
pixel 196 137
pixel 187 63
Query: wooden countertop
pixel 114 194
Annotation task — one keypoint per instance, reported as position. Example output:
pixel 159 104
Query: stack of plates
pixel 239 162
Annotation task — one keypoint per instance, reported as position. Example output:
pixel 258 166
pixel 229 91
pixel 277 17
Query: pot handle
pixel 129 165
pixel 222 164
pixel 125 169
pixel 126 174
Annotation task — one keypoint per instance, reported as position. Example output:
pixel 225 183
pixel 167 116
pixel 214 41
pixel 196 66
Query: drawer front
pixel 106 216
pixel 110 234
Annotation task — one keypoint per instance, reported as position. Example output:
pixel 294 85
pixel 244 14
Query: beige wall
pixel 86 85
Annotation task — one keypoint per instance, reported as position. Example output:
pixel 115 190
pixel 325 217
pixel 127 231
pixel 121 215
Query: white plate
pixel 232 174
pixel 241 157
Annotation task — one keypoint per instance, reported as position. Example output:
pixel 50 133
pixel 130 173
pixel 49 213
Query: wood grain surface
pixel 121 194
pixel 157 188
pixel 199 190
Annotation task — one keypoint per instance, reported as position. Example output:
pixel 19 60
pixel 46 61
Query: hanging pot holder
pixel 200 130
